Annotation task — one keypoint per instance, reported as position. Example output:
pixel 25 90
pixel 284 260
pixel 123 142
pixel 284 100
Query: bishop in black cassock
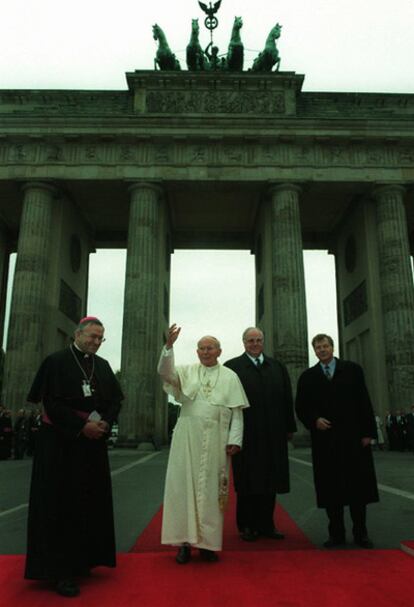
pixel 70 524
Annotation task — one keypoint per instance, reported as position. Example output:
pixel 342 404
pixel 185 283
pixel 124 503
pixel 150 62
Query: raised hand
pixel 173 333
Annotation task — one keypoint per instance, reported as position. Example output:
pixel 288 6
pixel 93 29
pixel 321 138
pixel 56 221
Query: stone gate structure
pixel 208 160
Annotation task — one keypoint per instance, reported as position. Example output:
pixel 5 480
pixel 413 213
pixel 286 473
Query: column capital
pixel 387 188
pixel 146 185
pixel 274 187
pixel 39 185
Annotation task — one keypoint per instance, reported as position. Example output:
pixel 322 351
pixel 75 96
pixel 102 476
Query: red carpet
pixel 308 578
pixel 264 574
pixel 149 540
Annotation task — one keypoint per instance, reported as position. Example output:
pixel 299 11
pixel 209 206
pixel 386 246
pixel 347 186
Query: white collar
pixel 255 358
pixel 75 345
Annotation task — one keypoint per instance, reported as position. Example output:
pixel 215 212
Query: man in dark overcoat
pixel 332 401
pixel 261 469
pixel 70 521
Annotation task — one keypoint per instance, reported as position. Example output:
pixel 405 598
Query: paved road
pixel 138 485
pixel 389 522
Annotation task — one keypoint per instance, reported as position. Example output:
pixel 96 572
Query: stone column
pixel 290 341
pixel 397 294
pixel 27 313
pixel 141 327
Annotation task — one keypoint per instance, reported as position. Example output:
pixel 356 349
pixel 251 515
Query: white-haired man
pixel 208 432
pixel 261 470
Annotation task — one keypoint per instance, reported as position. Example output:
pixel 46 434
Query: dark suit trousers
pixel 255 512
pixel 336 525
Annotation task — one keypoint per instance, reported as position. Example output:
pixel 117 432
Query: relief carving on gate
pixel 211 102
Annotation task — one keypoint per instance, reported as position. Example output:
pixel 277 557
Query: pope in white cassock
pixel 209 430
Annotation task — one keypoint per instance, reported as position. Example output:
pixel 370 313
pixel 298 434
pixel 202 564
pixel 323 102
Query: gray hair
pixel 246 331
pixel 218 344
pixel 88 320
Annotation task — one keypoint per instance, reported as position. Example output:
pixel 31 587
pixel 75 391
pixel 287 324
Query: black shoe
pixel 183 554
pixel 274 534
pixel 208 555
pixel 67 587
pixel 364 542
pixel 248 535
pixel 334 542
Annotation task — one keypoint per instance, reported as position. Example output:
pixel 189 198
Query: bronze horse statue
pixel 196 57
pixel 235 52
pixel 269 57
pixel 164 59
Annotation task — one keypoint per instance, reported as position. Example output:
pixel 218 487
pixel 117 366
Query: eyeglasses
pixel 95 337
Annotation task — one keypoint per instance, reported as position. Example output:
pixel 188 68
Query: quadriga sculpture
pixel 269 57
pixel 164 59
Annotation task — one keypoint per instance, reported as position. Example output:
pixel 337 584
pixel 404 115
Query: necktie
pixel 327 372
pixel 258 363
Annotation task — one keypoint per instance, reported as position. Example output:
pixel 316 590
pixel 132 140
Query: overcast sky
pixel 347 45
pixel 339 45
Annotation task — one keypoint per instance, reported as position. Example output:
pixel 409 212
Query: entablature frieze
pixel 219 152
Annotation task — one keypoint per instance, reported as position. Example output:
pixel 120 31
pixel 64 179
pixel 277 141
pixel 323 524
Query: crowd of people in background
pixel 399 427
pixel 19 438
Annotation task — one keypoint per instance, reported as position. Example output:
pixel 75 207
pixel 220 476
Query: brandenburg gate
pixel 208 159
